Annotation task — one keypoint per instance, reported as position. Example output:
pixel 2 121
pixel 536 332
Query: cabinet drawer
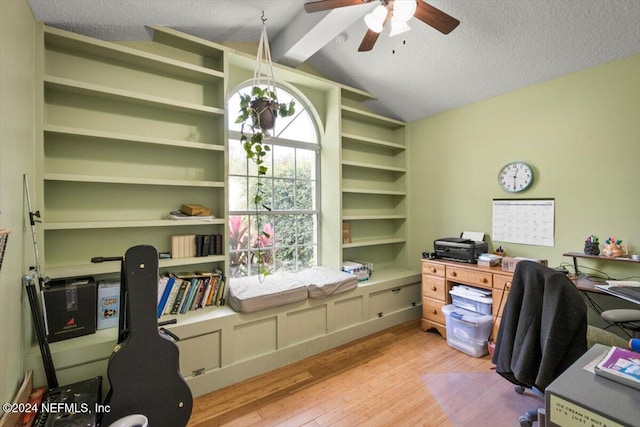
pixel 432 269
pixel 433 287
pixel 432 310
pixel 470 277
pixel 501 281
pixel 497 295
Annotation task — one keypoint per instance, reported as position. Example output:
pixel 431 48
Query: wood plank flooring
pixel 374 381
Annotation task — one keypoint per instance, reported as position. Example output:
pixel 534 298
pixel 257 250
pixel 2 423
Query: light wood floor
pixel 374 381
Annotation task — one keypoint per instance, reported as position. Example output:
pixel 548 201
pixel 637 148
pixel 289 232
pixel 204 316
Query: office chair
pixel 628 320
pixel 543 330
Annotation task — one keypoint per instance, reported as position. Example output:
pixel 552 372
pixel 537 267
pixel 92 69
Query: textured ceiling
pixel 500 45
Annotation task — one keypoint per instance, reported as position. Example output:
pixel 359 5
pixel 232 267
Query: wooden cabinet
pixel 373 182
pixel 438 277
pixel 128 134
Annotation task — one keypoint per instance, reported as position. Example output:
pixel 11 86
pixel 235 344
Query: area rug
pixel 480 399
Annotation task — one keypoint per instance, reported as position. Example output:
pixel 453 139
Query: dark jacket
pixel 543 328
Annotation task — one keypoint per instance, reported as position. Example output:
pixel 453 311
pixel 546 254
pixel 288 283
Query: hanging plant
pixel 258 112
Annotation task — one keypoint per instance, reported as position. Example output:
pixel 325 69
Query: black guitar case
pixel 143 370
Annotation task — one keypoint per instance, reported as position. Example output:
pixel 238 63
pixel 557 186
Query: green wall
pixel 581 134
pixel 17 154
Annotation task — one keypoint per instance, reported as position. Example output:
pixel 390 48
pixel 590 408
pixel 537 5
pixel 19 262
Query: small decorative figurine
pixel 614 249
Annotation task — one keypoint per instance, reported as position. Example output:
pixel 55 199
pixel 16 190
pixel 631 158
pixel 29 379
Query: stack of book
pixel 183 292
pixel 621 365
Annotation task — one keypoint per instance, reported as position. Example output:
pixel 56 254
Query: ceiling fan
pixel 396 11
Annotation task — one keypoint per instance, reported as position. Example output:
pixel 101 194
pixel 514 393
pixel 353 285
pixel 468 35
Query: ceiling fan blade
pixel 368 41
pixel 371 37
pixel 436 18
pixel 318 6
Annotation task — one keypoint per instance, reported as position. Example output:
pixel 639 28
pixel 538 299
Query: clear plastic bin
pixel 472 299
pixel 467 331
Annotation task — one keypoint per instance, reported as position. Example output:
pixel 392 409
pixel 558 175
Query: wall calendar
pixel 526 221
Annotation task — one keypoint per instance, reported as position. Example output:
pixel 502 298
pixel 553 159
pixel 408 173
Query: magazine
pixel 621 365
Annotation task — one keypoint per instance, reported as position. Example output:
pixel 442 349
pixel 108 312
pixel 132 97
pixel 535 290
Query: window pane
pixel 284 162
pixel 285 232
pixel 237 158
pixel 306 257
pixel 304 195
pixel 266 193
pixel 300 128
pixel 306 229
pixel 237 193
pixel 284 193
pixel 305 164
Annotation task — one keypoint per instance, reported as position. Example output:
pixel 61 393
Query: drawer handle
pixel 483 280
pixel 454 274
pixel 433 288
pixel 433 270
pixel 434 311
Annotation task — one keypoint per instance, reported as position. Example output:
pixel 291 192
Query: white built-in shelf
pixel 114 136
pixel 373 166
pixel 372 141
pixel 76 86
pixel 89 225
pixel 374 242
pixel 374 191
pixel 372 217
pixel 130 180
pixel 366 116
pixel 187 42
pixel 117 53
pixel 55 272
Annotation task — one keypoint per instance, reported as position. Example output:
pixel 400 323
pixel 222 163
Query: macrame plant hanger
pixel 263 78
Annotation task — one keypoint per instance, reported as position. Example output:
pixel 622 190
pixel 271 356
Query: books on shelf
pixel 183 292
pixel 621 365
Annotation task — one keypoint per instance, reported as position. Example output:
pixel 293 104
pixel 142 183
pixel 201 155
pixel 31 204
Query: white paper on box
pixel 108 304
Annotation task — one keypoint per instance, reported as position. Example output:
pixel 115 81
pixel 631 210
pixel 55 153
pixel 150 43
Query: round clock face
pixel 515 177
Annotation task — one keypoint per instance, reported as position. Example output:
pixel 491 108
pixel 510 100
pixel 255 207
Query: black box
pixel 70 308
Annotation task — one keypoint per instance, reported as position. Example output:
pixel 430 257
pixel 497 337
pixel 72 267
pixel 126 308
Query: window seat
pixel 250 294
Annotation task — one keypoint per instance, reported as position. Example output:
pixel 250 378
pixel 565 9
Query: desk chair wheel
pixel 519 389
pixel 528 418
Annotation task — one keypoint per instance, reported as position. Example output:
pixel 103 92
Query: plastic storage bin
pixel 472 299
pixel 467 331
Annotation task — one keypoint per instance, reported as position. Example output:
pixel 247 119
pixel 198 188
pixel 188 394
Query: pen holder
pixel 591 248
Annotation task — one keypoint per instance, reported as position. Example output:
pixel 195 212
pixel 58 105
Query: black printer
pixel 459 249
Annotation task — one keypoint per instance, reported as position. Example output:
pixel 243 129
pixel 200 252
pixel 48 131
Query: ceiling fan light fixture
pixel 398 26
pixel 375 19
pixel 403 10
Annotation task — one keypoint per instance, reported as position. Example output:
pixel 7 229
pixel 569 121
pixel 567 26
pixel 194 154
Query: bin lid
pixel 465 315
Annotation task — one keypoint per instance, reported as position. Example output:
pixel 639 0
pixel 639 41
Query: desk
pixel 439 276
pixel 581 398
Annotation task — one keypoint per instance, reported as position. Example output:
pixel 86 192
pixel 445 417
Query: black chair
pixel 543 330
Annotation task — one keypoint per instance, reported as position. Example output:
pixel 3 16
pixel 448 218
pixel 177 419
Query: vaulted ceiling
pixel 499 46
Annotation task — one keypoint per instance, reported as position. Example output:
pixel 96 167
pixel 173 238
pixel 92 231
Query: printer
pixel 459 249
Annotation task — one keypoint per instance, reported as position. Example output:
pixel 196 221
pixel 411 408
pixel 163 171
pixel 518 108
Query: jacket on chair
pixel 543 328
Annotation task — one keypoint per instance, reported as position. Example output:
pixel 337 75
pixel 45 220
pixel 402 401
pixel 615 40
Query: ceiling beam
pixel 310 32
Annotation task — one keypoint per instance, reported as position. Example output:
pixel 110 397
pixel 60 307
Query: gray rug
pixel 480 399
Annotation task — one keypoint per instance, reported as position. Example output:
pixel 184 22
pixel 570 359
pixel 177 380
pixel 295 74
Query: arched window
pixel 291 191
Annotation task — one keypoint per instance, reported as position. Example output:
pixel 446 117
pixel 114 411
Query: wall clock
pixel 515 177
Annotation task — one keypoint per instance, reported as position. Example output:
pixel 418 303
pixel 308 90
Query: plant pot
pixel 591 248
pixel 265 113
